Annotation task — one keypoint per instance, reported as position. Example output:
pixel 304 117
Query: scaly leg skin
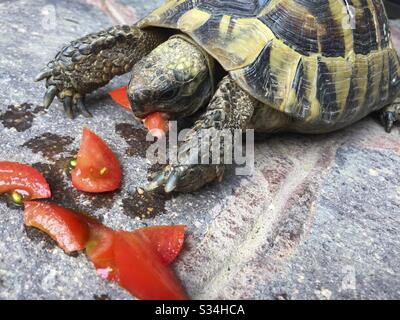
pixel 92 61
pixel 231 108
pixel 390 114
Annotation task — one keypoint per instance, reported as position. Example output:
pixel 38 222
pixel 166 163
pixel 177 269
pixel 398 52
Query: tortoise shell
pixel 324 62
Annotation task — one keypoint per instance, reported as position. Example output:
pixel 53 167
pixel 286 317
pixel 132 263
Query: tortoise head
pixel 174 79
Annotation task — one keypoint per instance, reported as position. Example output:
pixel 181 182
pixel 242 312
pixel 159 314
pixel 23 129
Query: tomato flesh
pixel 156 123
pixel 99 250
pixel 137 260
pixel 166 240
pixel 66 227
pixel 120 96
pixel 22 178
pixel 97 169
pixel 142 272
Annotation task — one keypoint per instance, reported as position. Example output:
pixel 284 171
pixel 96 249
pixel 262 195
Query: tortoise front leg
pixel 231 108
pixel 390 115
pixel 91 62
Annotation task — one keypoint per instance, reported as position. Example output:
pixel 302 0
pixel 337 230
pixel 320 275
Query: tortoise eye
pixel 169 94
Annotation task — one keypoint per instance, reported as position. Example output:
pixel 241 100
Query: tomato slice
pixel 120 96
pixel 157 124
pixel 99 250
pixel 66 227
pixel 166 240
pixel 137 260
pixel 22 178
pixel 142 272
pixel 97 169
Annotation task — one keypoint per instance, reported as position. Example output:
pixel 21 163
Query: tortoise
pixel 307 66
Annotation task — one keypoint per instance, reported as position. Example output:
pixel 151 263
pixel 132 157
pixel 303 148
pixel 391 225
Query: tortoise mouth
pixel 168 113
pixel 143 115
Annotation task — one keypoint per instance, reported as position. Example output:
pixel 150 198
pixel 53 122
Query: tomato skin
pixel 138 260
pixel 16 176
pixel 156 124
pixel 99 250
pixel 142 272
pixel 98 169
pixel 166 240
pixel 66 227
pixel 120 96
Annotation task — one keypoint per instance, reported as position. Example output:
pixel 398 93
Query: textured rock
pixel 318 219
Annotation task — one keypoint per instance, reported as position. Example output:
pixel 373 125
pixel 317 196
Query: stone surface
pixel 318 219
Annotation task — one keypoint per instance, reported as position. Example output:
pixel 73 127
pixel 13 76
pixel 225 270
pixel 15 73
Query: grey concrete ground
pixel 319 219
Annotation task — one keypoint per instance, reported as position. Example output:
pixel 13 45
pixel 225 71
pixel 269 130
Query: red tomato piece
pixel 97 169
pixel 24 179
pixel 157 124
pixel 137 260
pixel 99 250
pixel 66 227
pixel 142 272
pixel 166 240
pixel 120 96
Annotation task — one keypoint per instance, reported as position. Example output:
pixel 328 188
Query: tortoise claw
pixel 81 108
pixel 389 126
pixel 49 96
pixel 45 73
pixel 388 119
pixel 72 105
pixel 156 182
pixel 172 182
pixel 184 178
pixel 68 107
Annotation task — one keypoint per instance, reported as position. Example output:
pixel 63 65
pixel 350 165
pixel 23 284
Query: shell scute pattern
pixel 240 8
pixel 326 63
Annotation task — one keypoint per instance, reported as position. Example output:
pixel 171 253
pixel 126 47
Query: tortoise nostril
pixel 138 100
pixel 135 103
